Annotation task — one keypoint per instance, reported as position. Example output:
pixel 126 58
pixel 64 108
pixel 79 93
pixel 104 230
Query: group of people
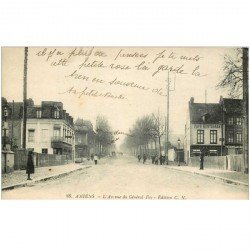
pixel 94 158
pixel 144 158
pixel 158 159
pixel 155 159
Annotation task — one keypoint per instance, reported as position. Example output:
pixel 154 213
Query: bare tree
pixel 232 78
pixel 104 135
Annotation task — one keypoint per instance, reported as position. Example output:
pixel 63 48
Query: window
pixel 56 132
pixel 213 136
pixel 239 138
pixel 200 136
pixel 196 152
pixel 31 135
pixel 56 114
pixel 38 113
pixel 238 121
pixel 44 151
pixel 230 136
pixel 230 120
pixel 213 152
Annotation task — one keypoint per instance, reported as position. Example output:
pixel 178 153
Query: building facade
pixel 233 121
pixel 203 130
pixel 49 129
pixel 215 128
pixel 84 138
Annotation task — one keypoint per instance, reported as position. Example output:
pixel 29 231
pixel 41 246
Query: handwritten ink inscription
pixel 110 73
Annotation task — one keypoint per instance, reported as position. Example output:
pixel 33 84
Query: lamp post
pixel 5 114
pixel 178 152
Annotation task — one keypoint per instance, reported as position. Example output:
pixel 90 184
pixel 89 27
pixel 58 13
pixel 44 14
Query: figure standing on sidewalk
pixel 202 159
pixel 95 159
pixel 144 158
pixel 139 158
pixel 30 165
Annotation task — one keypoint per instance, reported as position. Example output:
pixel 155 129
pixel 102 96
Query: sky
pixel 51 75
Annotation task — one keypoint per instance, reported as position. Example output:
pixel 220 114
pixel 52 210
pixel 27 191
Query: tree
pixel 145 129
pixel 232 78
pixel 104 135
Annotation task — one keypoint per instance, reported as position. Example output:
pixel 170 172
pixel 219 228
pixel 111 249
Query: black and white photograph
pixel 165 123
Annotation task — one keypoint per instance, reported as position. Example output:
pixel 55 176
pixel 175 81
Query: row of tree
pixel 104 136
pixel 147 129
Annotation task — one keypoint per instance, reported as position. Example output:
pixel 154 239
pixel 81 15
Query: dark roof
pixel 233 105
pixel 83 125
pixel 212 112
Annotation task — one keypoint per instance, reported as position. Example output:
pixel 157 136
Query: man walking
pixel 95 159
pixel 202 160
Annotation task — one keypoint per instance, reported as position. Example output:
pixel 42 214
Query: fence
pixel 229 162
pixel 40 160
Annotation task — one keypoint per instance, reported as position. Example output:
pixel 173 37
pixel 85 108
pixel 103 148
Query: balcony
pixel 60 142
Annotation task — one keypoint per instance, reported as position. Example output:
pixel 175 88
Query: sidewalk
pixel 18 178
pixel 237 178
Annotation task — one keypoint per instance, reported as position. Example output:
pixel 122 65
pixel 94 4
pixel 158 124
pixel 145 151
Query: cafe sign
pixel 207 126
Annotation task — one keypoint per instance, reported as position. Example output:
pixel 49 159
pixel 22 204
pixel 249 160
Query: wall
pixel 216 162
pixel 229 162
pixel 40 160
pixel 8 158
pixel 171 154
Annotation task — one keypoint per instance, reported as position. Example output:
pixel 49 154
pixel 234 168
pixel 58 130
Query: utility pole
pixel 12 125
pixel 25 97
pixel 245 108
pixel 167 127
pixel 167 132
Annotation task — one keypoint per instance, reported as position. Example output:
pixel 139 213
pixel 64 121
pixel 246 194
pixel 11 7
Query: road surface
pixel 125 178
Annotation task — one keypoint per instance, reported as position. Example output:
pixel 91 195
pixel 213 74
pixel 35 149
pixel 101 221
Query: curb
pixel 55 176
pixel 223 179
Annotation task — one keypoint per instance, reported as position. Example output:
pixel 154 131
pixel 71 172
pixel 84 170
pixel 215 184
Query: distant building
pixel 84 138
pixel 50 129
pixel 215 128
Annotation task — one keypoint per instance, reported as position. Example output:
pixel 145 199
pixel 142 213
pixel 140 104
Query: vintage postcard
pixel 163 123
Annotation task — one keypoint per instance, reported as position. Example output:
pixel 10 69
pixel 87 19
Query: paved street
pixel 126 178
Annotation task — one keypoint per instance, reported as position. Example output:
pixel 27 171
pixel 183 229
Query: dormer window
pixel 205 117
pixel 38 113
pixel 56 114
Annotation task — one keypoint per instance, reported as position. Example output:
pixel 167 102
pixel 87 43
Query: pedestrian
pixel 202 160
pixel 153 159
pixel 161 159
pixel 95 159
pixel 144 158
pixel 156 160
pixel 92 157
pixel 30 165
pixel 164 159
pixel 139 158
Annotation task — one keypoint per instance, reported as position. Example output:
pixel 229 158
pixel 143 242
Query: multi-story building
pixel 215 128
pixel 203 130
pixel 232 118
pixel 84 138
pixel 49 130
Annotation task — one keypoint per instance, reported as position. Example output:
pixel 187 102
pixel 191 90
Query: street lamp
pixel 178 152
pixel 5 114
